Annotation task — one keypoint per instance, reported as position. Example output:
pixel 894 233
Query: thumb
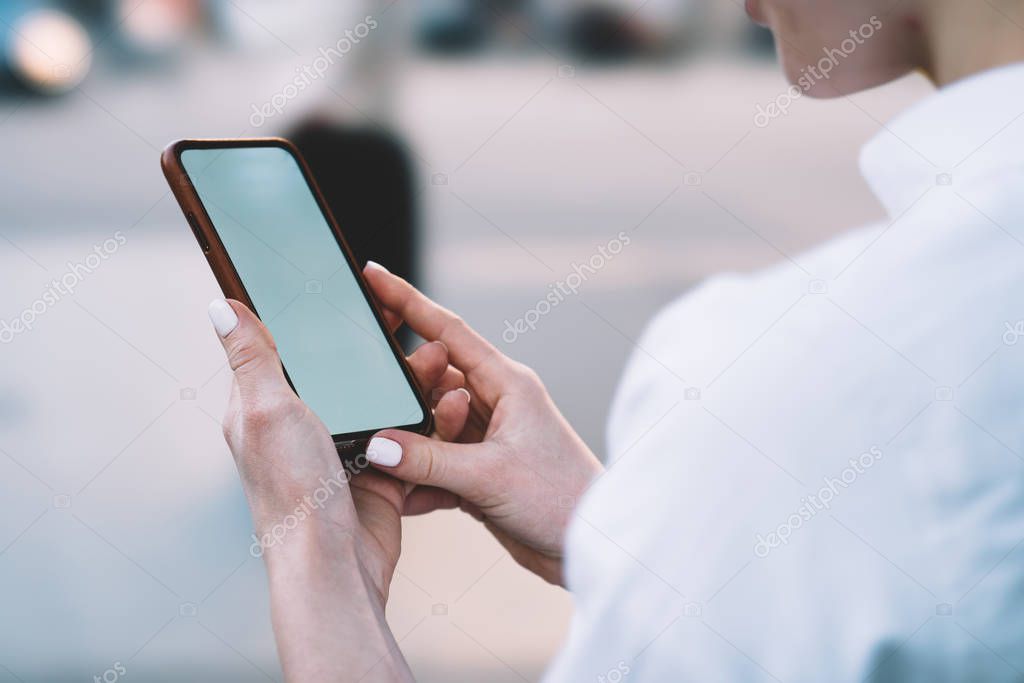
pixel 250 349
pixel 418 459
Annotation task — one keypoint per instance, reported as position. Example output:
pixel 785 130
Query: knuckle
pixel 229 431
pixel 229 425
pixel 453 326
pixel 526 376
pixel 273 410
pixel 431 464
pixel 260 415
pixel 251 427
pixel 251 350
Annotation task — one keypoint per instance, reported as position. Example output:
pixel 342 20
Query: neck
pixel 965 37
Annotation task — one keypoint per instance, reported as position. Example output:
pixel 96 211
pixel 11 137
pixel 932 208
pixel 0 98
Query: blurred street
pixel 112 402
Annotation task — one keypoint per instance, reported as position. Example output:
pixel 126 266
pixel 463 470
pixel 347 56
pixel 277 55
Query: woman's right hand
pixel 517 465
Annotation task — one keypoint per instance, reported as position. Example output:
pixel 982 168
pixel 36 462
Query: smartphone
pixel 272 244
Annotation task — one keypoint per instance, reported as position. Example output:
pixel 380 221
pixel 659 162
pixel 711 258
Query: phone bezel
pixel 231 283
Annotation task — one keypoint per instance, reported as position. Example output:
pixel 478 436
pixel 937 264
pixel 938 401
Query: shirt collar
pixel 966 130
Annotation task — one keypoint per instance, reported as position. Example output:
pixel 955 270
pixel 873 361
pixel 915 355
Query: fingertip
pixel 384 451
pixel 454 397
pixel 396 435
pixel 442 351
pixel 451 414
pixel 222 315
pixel 424 460
pixel 376 274
pixel 428 364
pixel 243 312
pixel 378 277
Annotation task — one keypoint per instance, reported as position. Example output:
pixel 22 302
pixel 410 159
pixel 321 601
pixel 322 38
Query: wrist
pixel 316 551
pixel 327 615
pixel 317 513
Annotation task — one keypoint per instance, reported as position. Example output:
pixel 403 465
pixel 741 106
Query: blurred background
pixel 484 148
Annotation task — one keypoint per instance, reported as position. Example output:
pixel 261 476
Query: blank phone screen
pixel 303 288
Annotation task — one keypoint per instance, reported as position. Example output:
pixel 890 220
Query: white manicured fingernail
pixel 465 391
pixel 384 452
pixel 223 317
pixel 376 266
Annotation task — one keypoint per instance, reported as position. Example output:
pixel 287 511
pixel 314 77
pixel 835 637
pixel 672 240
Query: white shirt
pixel 889 346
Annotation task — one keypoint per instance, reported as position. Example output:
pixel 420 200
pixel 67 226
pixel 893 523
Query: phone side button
pixel 194 224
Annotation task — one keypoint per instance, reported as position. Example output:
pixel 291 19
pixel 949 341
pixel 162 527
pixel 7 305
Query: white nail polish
pixel 376 266
pixel 466 392
pixel 223 317
pixel 384 452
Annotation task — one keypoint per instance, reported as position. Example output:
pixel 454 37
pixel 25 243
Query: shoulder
pixel 731 308
pixel 700 335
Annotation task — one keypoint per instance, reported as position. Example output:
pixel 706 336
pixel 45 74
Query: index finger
pixel 467 350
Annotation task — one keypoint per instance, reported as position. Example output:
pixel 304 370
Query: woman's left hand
pixel 330 544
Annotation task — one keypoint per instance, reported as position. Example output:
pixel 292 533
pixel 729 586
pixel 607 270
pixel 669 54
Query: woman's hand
pixel 517 465
pixel 330 539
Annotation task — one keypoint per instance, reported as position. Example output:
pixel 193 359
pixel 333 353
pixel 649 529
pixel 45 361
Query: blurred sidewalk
pixel 113 399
